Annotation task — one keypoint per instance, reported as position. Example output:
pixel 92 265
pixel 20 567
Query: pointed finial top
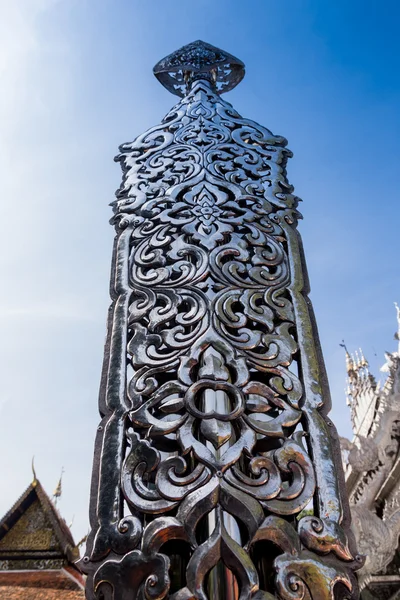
pixel 363 360
pixel 349 359
pixel 58 491
pixel 397 334
pixel 199 60
pixel 34 481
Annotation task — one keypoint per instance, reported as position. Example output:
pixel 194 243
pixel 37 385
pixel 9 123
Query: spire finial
pixel 58 491
pixel 82 541
pixel 199 60
pixel 34 481
pixel 397 334
pixel 363 361
pixel 349 359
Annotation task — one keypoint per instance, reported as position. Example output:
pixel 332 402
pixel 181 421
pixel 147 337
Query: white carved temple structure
pixel 372 471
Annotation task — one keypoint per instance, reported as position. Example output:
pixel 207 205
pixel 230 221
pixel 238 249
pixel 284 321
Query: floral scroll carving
pixel 213 437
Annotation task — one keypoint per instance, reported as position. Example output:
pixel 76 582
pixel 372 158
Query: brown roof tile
pixel 23 593
pixel 61 579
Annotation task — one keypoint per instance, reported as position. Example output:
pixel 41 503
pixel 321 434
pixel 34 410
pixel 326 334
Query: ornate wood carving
pixel 214 435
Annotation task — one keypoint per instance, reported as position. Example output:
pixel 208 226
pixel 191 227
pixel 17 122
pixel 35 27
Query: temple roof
pixel 37 550
pixel 49 533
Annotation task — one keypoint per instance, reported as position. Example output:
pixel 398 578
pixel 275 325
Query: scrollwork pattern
pixel 216 422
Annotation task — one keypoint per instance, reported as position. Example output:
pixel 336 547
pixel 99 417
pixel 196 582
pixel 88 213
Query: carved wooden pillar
pixel 214 436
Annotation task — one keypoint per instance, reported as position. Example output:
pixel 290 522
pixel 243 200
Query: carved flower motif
pixel 206 213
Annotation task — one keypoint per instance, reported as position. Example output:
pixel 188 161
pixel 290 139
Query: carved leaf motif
pixel 292 459
pixel 132 572
pixel 220 546
pixel 309 577
pixel 324 536
pixel 217 432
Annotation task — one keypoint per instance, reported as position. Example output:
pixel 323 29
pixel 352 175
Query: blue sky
pixel 76 80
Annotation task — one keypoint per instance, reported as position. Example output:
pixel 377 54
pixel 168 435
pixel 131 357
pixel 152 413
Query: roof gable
pixel 33 531
pixel 34 528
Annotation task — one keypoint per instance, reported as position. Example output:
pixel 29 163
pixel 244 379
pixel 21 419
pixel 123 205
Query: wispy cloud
pixel 20 45
pixel 49 312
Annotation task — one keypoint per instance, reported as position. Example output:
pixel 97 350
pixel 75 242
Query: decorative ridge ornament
pixel 214 435
pixel 199 60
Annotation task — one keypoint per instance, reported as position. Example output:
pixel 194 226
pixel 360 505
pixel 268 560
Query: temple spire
pixel 34 480
pixel 363 361
pixel 397 334
pixel 58 489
